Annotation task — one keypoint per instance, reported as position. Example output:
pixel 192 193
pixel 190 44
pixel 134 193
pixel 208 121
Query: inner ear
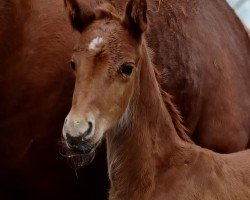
pixel 80 15
pixel 136 16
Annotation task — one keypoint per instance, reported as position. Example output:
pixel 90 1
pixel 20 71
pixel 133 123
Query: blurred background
pixel 242 8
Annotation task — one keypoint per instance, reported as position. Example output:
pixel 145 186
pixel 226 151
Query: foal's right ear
pixel 80 15
pixel 136 16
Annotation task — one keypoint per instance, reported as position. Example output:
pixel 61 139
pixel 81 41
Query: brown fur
pixel 147 158
pixel 36 87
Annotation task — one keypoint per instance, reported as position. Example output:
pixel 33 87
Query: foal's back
pixel 206 175
pixel 223 177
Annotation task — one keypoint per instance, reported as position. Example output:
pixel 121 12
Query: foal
pixel 117 95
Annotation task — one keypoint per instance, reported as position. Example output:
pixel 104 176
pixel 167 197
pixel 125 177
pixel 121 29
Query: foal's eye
pixel 73 65
pixel 126 69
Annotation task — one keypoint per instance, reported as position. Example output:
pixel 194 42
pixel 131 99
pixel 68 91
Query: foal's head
pixel 105 61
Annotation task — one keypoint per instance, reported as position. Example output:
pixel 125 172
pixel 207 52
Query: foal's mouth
pixel 83 149
pixel 79 155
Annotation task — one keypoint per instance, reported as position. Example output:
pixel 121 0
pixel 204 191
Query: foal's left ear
pixel 136 16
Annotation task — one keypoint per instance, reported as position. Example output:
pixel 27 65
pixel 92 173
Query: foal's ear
pixel 80 15
pixel 136 16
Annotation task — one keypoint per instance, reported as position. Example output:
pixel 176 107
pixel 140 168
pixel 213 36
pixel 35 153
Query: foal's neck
pixel 143 141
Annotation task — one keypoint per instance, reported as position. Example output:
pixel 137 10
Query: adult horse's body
pixel 208 54
pixel 36 87
pixel 117 96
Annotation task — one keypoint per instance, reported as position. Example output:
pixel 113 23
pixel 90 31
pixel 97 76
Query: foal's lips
pixel 83 149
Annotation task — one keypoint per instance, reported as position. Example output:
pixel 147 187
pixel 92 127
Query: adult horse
pixel 117 95
pixel 36 88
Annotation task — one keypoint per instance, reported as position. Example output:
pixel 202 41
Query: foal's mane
pixel 107 10
pixel 173 111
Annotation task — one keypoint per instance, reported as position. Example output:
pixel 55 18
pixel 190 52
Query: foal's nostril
pixel 88 132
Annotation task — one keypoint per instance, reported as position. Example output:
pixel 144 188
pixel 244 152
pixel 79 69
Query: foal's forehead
pixel 105 34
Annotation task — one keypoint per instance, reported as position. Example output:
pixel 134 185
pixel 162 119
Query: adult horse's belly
pixel 36 88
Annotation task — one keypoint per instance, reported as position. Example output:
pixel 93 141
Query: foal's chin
pixel 81 156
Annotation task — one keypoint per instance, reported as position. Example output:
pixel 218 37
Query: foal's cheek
pixel 115 100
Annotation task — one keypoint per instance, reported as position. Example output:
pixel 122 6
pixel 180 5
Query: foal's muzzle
pixel 77 135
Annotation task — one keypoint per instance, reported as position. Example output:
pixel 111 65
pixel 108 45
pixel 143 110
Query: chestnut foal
pixel 117 96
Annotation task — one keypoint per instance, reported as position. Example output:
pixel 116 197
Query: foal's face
pixel 105 64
